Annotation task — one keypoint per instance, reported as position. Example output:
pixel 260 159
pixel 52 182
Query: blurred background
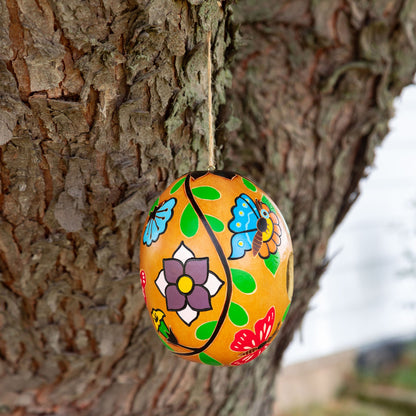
pixel 363 318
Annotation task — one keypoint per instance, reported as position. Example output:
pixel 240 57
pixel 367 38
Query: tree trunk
pixel 103 103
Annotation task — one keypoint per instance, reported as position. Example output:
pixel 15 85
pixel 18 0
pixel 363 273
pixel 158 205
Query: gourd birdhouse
pixel 216 264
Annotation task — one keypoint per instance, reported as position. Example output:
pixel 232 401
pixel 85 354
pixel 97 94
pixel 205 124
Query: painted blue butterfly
pixel 250 220
pixel 158 219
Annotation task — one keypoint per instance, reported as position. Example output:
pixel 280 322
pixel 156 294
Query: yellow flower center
pixel 267 235
pixel 185 284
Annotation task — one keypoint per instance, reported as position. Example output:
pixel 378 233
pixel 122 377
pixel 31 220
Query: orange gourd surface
pixel 216 267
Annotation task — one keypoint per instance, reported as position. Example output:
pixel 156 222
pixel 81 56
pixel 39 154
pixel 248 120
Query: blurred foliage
pixel 398 379
pixel 401 374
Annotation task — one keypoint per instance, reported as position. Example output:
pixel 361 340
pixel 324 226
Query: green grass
pixel 345 407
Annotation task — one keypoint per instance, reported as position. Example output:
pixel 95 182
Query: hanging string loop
pixel 211 145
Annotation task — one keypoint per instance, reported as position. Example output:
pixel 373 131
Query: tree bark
pixel 316 82
pixel 103 103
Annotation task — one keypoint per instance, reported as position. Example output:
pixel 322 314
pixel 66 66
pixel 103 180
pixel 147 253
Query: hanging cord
pixel 211 146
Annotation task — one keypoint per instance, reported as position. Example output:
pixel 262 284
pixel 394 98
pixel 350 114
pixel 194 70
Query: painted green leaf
pixel 206 359
pixel 215 223
pixel 166 345
pixel 237 314
pixel 272 262
pixel 155 204
pixel 244 281
pixel 249 185
pixel 189 221
pixel 205 330
pixel 286 311
pixel 177 185
pixel 206 192
pixel 267 201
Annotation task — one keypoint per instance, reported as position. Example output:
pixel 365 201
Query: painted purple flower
pixel 187 284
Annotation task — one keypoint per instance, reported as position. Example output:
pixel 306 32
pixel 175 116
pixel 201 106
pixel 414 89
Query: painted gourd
pixel 216 267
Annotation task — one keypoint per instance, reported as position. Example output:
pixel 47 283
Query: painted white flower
pixel 187 284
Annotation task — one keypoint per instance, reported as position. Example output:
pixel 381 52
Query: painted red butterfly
pixel 252 344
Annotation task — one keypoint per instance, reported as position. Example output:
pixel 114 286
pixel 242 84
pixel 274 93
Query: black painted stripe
pixel 224 262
